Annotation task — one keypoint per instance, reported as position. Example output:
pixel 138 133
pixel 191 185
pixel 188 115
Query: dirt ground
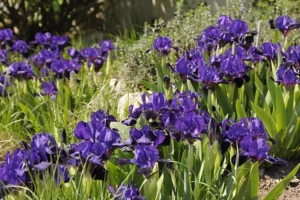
pixel 274 175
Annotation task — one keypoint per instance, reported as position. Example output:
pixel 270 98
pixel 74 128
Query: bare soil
pixel 272 176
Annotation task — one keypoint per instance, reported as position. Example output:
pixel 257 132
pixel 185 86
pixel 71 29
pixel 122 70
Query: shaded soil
pixel 272 176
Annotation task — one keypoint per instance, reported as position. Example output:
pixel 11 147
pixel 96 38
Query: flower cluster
pixel 49 57
pixel 252 138
pixel 44 155
pixel 182 119
pixel 98 139
pixel 179 118
pixel 208 65
pixel 41 155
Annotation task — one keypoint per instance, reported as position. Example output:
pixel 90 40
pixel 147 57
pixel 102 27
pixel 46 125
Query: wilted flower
pixel 20 70
pixel 163 45
pixel 125 192
pixel 49 89
pixel 285 24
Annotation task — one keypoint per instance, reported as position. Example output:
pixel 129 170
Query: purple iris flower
pixel 151 109
pixel 209 77
pixel 196 57
pixel 257 149
pixel 256 128
pixel 239 52
pixel 20 70
pixel 293 55
pixel 94 56
pixel 6 36
pixel 270 50
pixel 44 57
pixel 163 45
pixel 62 68
pixel 146 136
pixel 43 39
pixel 210 38
pixel 98 129
pixel 94 152
pixel 236 30
pixel 102 118
pixel 224 22
pixel 157 101
pixel 61 174
pixel 234 68
pixel 3 56
pixel 13 171
pixel 90 132
pixel 236 131
pixel 238 27
pixel 21 47
pixel 73 52
pixel 106 45
pixel 83 131
pixel 287 76
pixel 145 157
pixel 285 24
pixel 125 192
pixel 254 55
pixel 184 68
pixel 43 143
pixel 49 89
pixel 58 43
pixel 190 126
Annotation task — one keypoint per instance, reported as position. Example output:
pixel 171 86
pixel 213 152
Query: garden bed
pixel 272 176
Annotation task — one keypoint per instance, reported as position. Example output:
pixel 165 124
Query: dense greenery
pixel 173 143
